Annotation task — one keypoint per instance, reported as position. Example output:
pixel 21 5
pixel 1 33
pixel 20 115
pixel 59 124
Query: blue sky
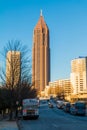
pixel 67 22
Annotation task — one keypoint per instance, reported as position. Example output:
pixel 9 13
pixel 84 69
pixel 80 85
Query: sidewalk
pixel 8 125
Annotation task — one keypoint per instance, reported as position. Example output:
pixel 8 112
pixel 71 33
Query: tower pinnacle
pixel 41 12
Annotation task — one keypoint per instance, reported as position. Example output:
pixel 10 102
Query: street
pixel 54 119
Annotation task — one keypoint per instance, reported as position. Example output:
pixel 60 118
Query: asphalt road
pixel 55 119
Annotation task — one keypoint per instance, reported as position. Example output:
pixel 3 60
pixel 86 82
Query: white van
pixel 30 108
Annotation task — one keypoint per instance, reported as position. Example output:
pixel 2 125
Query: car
pixel 43 101
pixel 79 108
pixel 59 104
pixel 50 105
pixel 72 109
pixel 66 107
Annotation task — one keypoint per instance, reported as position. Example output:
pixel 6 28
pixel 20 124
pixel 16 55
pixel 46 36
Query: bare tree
pixel 60 93
pixel 16 75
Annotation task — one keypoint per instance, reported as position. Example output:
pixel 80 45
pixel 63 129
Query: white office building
pixel 79 75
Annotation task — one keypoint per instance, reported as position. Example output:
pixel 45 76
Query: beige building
pixel 59 87
pixel 79 75
pixel 67 87
pixel 13 67
pixel 56 87
pixel 41 55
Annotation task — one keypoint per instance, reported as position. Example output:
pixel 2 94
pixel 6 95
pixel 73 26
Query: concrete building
pixel 56 87
pixel 79 75
pixel 67 87
pixel 62 86
pixel 40 55
pixel 13 67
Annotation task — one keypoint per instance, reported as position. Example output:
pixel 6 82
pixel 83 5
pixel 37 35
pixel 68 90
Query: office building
pixel 79 75
pixel 41 55
pixel 13 65
pixel 62 86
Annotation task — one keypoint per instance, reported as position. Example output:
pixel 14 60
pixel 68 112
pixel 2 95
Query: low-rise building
pixel 59 88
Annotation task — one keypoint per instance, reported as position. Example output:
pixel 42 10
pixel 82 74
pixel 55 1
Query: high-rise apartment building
pixel 41 55
pixel 13 67
pixel 79 75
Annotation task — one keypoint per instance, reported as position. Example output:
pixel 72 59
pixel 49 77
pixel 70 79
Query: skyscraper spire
pixel 41 12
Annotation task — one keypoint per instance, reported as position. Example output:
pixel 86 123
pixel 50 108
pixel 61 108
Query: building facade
pixel 60 87
pixel 13 67
pixel 79 75
pixel 40 55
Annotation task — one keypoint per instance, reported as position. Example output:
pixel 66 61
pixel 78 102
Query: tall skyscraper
pixel 41 55
pixel 13 67
pixel 79 75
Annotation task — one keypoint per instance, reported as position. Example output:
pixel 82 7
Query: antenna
pixel 41 12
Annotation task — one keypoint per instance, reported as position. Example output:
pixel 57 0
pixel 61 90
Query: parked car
pixel 72 109
pixel 43 101
pixel 79 108
pixel 60 104
pixel 50 105
pixel 66 107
